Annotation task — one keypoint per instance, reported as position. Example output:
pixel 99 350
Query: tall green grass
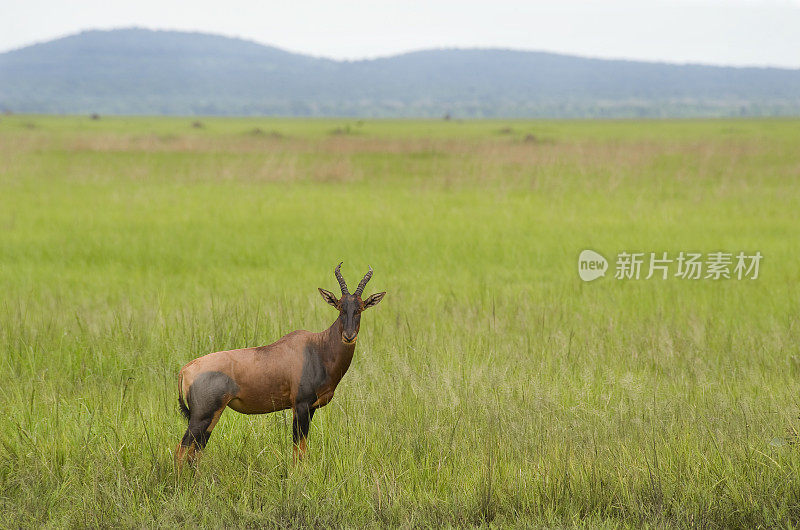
pixel 491 385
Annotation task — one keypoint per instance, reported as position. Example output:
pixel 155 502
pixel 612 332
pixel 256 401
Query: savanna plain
pixel 490 386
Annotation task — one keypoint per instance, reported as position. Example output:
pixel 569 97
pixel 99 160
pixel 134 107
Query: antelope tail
pixel 184 408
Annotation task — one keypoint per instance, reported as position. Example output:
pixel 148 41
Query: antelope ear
pixel 328 297
pixel 373 300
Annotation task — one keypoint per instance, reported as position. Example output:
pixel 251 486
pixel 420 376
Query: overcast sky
pixel 730 32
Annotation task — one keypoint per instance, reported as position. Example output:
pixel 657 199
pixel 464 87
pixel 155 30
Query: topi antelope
pixel 300 371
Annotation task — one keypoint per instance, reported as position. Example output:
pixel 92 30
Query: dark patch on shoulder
pixel 207 391
pixel 314 376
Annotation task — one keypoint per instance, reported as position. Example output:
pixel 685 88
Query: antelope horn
pixel 363 283
pixel 342 284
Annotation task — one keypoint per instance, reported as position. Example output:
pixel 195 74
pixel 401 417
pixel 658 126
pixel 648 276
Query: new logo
pixel 591 265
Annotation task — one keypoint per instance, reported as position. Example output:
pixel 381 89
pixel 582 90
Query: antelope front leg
pixel 303 412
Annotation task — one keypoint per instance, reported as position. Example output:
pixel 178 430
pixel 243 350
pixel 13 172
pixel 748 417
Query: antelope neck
pixel 335 353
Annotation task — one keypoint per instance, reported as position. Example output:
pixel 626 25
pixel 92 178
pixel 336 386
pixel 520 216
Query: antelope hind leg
pixel 207 398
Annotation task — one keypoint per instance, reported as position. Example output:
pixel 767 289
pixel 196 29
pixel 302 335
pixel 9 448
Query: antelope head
pixel 350 306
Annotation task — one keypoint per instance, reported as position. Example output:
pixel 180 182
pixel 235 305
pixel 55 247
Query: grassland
pixel 491 385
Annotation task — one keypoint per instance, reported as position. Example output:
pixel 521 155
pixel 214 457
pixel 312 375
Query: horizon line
pixel 400 53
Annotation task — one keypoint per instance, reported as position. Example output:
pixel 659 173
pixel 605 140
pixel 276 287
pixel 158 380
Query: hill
pixel 138 71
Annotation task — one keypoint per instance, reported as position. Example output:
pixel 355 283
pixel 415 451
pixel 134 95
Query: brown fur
pixel 269 376
pixel 299 371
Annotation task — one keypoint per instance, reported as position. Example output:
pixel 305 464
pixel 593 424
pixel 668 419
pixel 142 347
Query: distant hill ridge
pixel 139 71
